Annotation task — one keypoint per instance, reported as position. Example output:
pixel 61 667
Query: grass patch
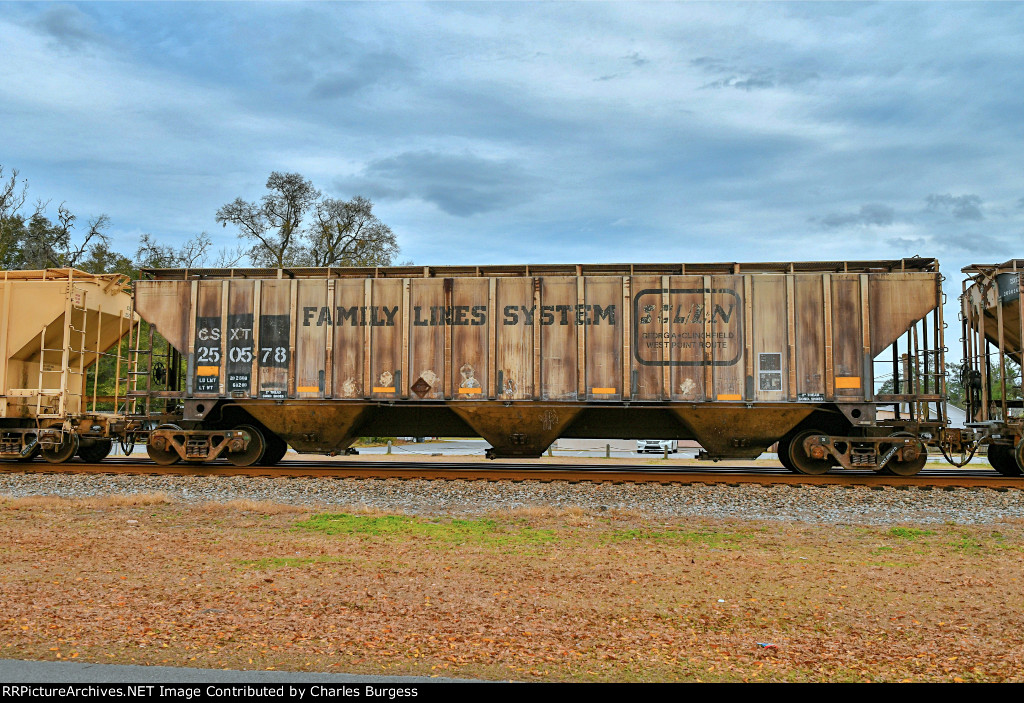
pixel 910 533
pixel 977 543
pixel 483 531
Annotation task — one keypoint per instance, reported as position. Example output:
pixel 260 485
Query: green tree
pixel 13 195
pixel 103 259
pixel 292 225
pixel 347 233
pixel 47 244
pixel 31 240
pixel 274 224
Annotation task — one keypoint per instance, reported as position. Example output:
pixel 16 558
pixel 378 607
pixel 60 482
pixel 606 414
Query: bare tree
pixel 29 239
pixel 275 223
pixel 46 244
pixel 190 255
pixel 229 258
pixel 347 233
pixel 13 195
pixel 72 255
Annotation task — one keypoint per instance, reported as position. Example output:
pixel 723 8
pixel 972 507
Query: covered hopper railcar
pixel 993 330
pixel 734 356
pixel 57 328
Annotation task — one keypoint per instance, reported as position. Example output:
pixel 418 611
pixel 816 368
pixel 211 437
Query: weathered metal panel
pixel 847 332
pixel 810 336
pixel 558 338
pixel 314 320
pixel 208 340
pixel 469 338
pixel 164 304
pixel 898 300
pixel 686 313
pixel 726 340
pixel 384 319
pixel 601 322
pixel 648 337
pixel 427 330
pixel 349 338
pixel 515 354
pixel 770 343
pixel 240 338
pixel 275 325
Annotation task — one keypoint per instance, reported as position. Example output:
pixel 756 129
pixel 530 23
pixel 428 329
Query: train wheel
pixel 1018 455
pixel 802 463
pixel 1004 459
pixel 164 457
pixel 276 449
pixel 95 452
pixel 254 452
pixel 62 452
pixel 783 451
pixel 905 468
pixel 1001 457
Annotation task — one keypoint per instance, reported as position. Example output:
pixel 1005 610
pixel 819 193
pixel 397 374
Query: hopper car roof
pixel 917 264
pixel 63 274
pixel 1011 265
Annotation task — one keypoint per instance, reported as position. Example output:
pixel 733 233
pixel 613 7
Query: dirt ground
pixel 528 595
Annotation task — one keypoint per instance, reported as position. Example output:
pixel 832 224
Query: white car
pixel 658 446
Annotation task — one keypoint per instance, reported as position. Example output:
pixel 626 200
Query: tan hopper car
pixel 737 356
pixel 56 325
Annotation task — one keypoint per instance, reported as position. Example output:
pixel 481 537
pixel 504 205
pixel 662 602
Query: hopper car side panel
pixel 735 358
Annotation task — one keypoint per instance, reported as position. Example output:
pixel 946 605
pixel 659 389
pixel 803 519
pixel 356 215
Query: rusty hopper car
pixel 735 356
pixel 57 324
pixel 993 330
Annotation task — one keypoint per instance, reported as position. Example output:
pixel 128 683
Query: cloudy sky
pixel 549 132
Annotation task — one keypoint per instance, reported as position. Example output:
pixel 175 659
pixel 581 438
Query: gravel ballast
pixel 813 504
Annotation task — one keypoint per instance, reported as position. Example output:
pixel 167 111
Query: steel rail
pixel 519 472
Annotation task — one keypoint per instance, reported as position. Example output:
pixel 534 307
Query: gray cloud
pixel 915 244
pixel 971 243
pixel 748 79
pixel 368 70
pixel 635 58
pixel 68 25
pixel 873 215
pixel 962 207
pixel 459 184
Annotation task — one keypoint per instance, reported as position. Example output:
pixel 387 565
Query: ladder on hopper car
pixel 918 376
pixel 63 372
pixel 74 303
pixel 144 370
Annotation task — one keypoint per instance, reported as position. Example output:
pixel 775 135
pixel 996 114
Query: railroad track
pixel 732 474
